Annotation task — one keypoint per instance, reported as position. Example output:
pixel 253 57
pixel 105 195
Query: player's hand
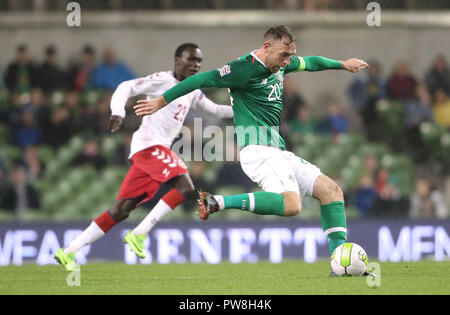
pixel 354 65
pixel 149 107
pixel 115 122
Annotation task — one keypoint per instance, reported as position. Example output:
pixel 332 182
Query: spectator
pixel 122 153
pixel 111 72
pixel 80 75
pixel 390 202
pixel 427 201
pixel 19 195
pixel 441 108
pixel 371 167
pixel 20 77
pixel 90 156
pixel 438 77
pixel 402 84
pixel 304 124
pixel 2 81
pixel 292 100
pixel 365 94
pixel 417 111
pixel 28 133
pixel 33 165
pixel 50 76
pixel 90 120
pixel 335 121
pixel 41 108
pixel 59 130
pixel 365 195
pixel 2 169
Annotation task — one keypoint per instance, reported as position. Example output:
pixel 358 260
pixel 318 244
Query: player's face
pixel 279 54
pixel 189 63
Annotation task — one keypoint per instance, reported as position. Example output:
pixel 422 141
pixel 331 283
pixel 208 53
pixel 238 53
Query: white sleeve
pixel 205 106
pixel 129 89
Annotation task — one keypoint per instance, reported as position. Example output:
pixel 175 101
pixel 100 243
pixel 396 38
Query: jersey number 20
pixel 275 94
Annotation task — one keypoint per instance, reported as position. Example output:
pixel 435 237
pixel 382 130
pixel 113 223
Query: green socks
pixel 263 203
pixel 334 224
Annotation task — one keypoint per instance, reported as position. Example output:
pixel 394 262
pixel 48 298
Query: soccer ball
pixel 349 260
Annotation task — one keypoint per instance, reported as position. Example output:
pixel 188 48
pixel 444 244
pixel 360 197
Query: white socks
pixel 94 232
pixel 158 212
pixel 220 201
pixel 89 236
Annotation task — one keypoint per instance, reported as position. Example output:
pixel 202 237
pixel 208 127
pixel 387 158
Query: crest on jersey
pixel 280 76
pixel 224 70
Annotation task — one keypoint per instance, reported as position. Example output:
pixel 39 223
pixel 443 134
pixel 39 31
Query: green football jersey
pixel 257 100
pixel 256 95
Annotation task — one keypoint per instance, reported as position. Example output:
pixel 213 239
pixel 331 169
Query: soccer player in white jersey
pixel 153 162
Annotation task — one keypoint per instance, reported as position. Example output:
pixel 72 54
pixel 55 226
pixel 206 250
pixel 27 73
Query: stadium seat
pixel 431 134
pixel 66 154
pixel 373 148
pixel 328 165
pixel 76 143
pixel 6 216
pixel 109 145
pixel 9 154
pixel 46 153
pixel 316 143
pixel 57 98
pixel 305 153
pixel 4 134
pixel 69 212
pixel 351 176
pixel 33 216
pixel 445 148
pixel 350 142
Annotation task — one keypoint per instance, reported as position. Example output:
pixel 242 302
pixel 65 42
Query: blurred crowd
pixel 36 115
pixel 419 100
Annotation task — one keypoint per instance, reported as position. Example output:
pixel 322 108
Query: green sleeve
pixel 317 63
pixel 312 63
pixel 297 64
pixel 232 75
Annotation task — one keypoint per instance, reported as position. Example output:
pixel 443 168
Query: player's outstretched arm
pixel 121 95
pixel 318 63
pixel 354 65
pixel 205 106
pixel 235 76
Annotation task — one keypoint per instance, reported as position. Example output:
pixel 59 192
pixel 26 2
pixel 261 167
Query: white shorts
pixel 278 171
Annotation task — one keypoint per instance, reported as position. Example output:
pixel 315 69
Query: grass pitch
pixel 287 278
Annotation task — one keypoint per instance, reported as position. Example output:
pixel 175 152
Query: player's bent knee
pixel 326 190
pixel 292 204
pixel 334 193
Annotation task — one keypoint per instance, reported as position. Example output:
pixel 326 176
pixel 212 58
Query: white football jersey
pixel 165 125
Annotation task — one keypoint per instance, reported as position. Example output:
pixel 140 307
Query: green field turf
pixel 287 278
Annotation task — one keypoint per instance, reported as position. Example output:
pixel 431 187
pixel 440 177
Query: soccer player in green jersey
pixel 255 82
